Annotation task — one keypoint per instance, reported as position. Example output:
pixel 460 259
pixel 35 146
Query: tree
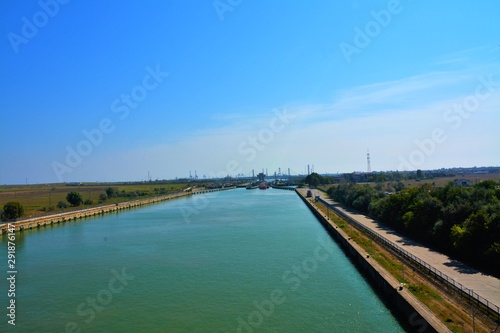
pixel 74 198
pixel 487 184
pixel 62 205
pixel 102 197
pixel 314 180
pixel 399 186
pixel 110 192
pixel 12 210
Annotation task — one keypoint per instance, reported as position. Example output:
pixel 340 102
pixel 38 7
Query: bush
pixel 62 205
pixel 102 197
pixel 12 210
pixel 88 202
pixel 110 192
pixel 74 198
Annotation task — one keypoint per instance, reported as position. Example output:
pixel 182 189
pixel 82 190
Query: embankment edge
pixel 410 310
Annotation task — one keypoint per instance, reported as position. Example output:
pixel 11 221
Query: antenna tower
pixel 368 166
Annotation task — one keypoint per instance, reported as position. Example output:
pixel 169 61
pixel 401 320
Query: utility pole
pixel 368 168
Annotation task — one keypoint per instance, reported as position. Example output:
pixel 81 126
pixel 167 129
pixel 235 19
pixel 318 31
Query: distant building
pixel 357 177
pixel 261 176
pixel 463 182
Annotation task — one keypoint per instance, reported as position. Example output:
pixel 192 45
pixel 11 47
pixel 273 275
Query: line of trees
pixel 114 193
pixel 463 222
pixel 315 179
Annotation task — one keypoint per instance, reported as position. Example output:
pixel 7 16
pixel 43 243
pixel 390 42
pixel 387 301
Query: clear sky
pixel 112 90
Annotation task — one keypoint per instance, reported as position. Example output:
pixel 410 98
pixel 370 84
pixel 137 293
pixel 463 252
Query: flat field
pixel 42 199
pixel 436 182
pixel 443 181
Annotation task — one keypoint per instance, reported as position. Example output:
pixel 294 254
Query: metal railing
pixel 421 264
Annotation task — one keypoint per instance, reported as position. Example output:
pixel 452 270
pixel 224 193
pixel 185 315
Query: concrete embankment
pixel 43 221
pixel 288 188
pixel 411 311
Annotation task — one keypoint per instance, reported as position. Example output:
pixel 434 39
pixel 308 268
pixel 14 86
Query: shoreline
pixel 409 309
pixel 42 221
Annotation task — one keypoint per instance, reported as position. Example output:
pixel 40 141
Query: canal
pixel 231 261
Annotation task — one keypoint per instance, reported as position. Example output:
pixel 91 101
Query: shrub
pixel 12 210
pixel 110 192
pixel 103 197
pixel 74 198
pixel 62 205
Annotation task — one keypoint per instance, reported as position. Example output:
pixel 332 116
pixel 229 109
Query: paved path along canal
pixel 484 285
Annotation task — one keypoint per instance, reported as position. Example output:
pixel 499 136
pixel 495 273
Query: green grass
pixel 450 312
pixel 38 198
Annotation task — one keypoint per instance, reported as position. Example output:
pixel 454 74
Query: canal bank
pixel 80 214
pixel 407 307
pixel 256 258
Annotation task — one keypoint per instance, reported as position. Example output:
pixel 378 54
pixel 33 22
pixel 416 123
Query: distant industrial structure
pixel 368 166
pixel 261 176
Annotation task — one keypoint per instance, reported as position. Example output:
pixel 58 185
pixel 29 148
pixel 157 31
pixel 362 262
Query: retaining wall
pixel 411 311
pixel 42 221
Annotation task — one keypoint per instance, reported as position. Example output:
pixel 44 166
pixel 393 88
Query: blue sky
pixel 107 91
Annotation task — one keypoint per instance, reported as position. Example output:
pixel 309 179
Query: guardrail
pixel 208 190
pixel 288 188
pixel 480 301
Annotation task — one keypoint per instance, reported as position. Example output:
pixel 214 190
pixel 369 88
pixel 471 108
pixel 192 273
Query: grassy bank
pixel 454 313
pixel 39 200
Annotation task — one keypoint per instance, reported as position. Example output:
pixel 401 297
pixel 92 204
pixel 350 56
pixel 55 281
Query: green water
pixel 232 261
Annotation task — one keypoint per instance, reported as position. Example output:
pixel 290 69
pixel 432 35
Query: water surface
pixel 232 261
